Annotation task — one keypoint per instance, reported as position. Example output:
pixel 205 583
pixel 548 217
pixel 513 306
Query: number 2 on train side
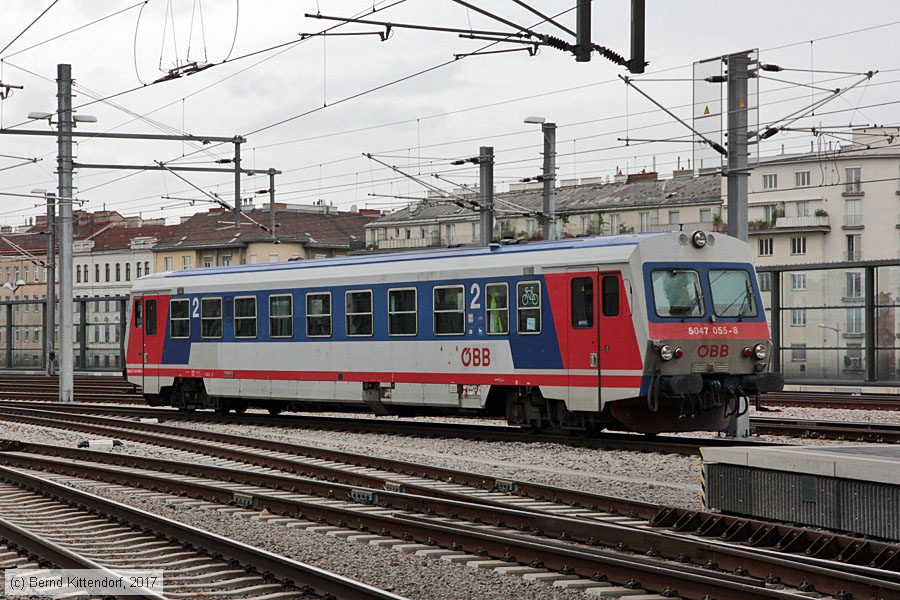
pixel 475 291
pixel 196 304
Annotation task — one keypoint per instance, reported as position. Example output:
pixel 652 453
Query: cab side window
pixel 151 317
pixel 610 285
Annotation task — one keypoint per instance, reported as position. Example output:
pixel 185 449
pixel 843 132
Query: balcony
pixel 853 221
pixel 409 244
pixel 795 222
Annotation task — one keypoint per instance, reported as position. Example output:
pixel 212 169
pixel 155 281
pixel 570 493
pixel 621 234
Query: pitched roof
pixel 215 229
pixel 119 238
pixel 572 200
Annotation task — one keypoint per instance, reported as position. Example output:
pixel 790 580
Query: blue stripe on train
pixel 528 351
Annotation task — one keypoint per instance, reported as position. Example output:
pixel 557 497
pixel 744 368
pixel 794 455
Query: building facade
pixel 210 239
pixel 639 203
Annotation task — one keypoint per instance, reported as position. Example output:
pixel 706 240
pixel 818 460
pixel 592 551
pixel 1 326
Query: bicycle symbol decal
pixel 529 297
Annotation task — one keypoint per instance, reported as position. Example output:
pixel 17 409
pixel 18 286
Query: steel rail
pixel 49 553
pixel 886 433
pixel 729 557
pixel 254 559
pixel 639 572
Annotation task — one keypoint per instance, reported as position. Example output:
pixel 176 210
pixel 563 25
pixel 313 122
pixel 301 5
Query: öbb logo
pixel 476 357
pixel 713 351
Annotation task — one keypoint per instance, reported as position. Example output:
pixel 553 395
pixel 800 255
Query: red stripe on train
pixel 560 380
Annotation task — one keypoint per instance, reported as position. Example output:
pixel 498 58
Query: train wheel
pixel 275 410
pixel 240 407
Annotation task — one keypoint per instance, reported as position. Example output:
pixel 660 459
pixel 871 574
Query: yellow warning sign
pixel 741 105
pixel 706 110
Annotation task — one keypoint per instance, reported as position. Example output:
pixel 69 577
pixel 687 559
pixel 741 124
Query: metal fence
pixel 835 323
pixel 99 325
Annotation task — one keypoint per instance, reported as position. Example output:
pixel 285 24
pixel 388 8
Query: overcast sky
pixel 419 124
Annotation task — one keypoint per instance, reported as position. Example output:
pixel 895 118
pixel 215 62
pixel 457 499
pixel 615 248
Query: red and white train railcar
pixel 650 332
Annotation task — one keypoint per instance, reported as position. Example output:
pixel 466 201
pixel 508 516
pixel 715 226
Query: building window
pixel 273 257
pixel 118 272
pixel 853 213
pixel 358 313
pixel 147 268
pixel 855 320
pixel 226 261
pixel 615 223
pixel 854 180
pixel 582 303
pixel 674 217
pixel 107 271
pixel 854 247
pixel 139 274
pixel 78 274
pixel 185 262
pixel 770 181
pixel 854 285
pixel 211 317
pixel 528 305
pixel 646 220
pixel 798 352
pixel 127 271
pixel 180 319
pixel 765 246
pixel 765 281
pixel 281 316
pixel 706 215
pixel 169 263
pixel 798 244
pixel 449 309
pixel 208 261
pixel 798 317
pixel 402 312
pixel 318 315
pixel 245 317
pixel 253 259
pixel 497 306
pixel 801 179
pixel 798 281
pixel 803 208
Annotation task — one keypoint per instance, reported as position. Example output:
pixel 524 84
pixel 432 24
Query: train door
pixel 147 332
pixel 619 353
pixel 583 333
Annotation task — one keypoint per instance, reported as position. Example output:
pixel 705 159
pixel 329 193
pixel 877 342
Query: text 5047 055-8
pixel 713 330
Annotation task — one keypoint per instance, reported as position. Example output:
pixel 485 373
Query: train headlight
pixel 761 351
pixel 698 238
pixel 748 352
pixel 666 352
pixel 679 352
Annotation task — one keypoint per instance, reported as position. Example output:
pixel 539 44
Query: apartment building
pixel 835 205
pixel 640 202
pixel 209 239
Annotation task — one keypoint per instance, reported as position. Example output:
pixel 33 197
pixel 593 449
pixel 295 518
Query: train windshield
pixel 732 293
pixel 677 293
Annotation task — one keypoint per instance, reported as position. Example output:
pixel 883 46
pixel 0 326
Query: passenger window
pixel 528 305
pixel 449 309
pixel 582 303
pixel 497 307
pixel 151 317
pixel 402 312
pixel 281 316
pixel 318 315
pixel 180 319
pixel 610 296
pixel 138 313
pixel 245 317
pixel 211 317
pixel 359 313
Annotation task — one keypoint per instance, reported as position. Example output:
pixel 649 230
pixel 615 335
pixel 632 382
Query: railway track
pixel 667 444
pixel 885 433
pixel 833 400
pixel 56 525
pixel 445 497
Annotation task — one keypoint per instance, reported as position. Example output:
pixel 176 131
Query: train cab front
pixel 708 349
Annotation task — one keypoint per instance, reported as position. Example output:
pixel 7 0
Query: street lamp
pixel 548 217
pixel 50 269
pixel 837 341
